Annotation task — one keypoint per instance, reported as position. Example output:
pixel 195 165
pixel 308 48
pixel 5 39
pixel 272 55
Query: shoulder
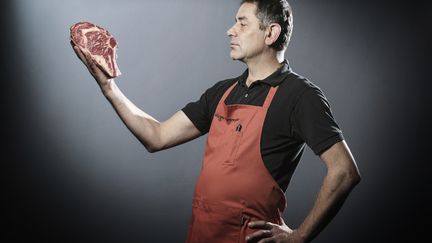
pixel 298 84
pixel 295 88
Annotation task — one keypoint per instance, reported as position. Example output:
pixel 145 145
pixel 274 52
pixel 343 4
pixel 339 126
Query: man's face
pixel 247 40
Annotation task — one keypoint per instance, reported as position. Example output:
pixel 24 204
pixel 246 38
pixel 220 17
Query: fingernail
pixel 250 224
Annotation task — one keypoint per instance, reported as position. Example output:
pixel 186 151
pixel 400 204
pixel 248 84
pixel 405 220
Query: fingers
pixel 86 59
pixel 263 234
pixel 260 234
pixel 260 225
pixel 78 53
pixel 97 72
pixel 94 70
pixel 270 232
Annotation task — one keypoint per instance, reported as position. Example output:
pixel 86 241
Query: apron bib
pixel 234 186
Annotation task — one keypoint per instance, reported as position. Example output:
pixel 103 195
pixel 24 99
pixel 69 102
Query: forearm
pixel 334 190
pixel 144 127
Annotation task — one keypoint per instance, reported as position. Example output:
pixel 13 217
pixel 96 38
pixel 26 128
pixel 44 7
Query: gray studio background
pixel 76 173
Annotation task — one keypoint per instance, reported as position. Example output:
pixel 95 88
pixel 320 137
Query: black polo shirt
pixel 299 114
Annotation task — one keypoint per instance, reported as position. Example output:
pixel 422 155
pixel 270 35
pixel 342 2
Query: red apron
pixel 234 186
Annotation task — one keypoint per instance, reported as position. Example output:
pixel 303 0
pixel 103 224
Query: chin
pixel 235 57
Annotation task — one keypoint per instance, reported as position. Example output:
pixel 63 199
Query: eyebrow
pixel 241 18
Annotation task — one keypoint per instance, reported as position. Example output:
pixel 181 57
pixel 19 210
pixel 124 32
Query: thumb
pixel 95 69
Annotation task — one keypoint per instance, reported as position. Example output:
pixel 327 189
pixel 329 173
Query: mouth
pixel 233 45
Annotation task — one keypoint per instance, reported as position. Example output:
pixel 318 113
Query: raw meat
pixel 99 43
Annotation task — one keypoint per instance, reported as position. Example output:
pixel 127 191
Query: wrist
pixel 108 88
pixel 300 235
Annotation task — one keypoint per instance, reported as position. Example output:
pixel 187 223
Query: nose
pixel 230 32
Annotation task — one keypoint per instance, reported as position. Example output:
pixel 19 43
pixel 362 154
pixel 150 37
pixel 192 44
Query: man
pixel 258 124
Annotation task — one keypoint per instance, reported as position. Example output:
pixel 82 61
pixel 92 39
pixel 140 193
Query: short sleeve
pixel 198 113
pixel 201 112
pixel 313 121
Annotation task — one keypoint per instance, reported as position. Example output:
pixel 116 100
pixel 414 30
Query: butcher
pixel 258 125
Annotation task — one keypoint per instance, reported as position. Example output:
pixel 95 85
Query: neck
pixel 263 66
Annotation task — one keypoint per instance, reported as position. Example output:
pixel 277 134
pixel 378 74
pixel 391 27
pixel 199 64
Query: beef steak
pixel 97 42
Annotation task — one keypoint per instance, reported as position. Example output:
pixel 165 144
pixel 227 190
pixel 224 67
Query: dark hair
pixel 275 11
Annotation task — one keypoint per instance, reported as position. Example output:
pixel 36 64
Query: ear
pixel 272 34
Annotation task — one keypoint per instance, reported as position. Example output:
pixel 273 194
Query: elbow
pixel 354 174
pixel 154 143
pixel 152 149
pixel 151 145
pixel 357 177
pixel 352 178
pixel 348 178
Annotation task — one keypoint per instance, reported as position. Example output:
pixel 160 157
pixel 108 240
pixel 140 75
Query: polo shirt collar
pixel 273 79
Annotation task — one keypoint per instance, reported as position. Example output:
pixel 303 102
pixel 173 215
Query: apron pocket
pixel 233 143
pixel 215 223
pixel 213 227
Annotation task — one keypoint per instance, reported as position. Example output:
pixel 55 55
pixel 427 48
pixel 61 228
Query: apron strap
pixel 270 96
pixel 227 92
